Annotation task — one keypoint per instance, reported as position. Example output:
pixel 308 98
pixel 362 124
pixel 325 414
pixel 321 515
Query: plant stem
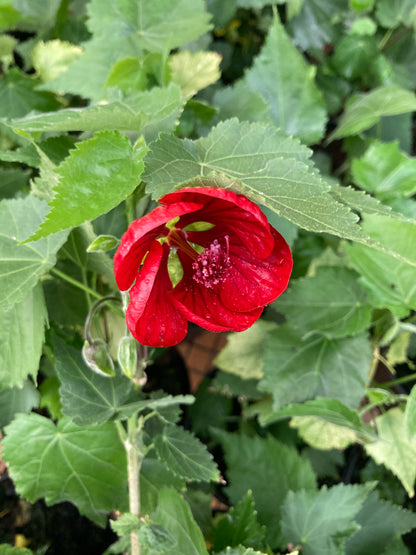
pixel 403 379
pixel 133 445
pixel 74 282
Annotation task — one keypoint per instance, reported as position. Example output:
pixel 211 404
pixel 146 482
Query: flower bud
pixel 97 357
pixel 127 356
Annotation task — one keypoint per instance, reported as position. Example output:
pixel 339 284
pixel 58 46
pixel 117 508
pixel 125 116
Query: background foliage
pixel 307 430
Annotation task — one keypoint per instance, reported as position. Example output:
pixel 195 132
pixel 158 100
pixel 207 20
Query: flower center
pixel 211 264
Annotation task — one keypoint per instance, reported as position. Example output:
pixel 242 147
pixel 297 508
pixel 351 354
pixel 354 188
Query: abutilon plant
pixel 232 264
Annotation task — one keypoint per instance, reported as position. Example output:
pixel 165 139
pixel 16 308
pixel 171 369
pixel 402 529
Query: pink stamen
pixel 211 265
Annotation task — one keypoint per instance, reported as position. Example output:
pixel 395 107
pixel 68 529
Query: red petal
pixel 230 211
pixel 204 307
pixel 252 282
pixel 138 238
pixel 152 316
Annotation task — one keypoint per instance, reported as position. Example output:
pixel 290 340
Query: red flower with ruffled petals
pixel 233 264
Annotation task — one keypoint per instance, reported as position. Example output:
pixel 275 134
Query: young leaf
pixel 394 449
pixel 21 266
pixel 16 400
pixel 269 167
pixel 174 514
pixel 125 524
pixel 268 468
pixel 239 526
pixel 185 455
pixel 87 398
pixel 332 303
pixel 297 368
pixel 380 523
pixel 193 72
pixel 22 332
pixel 95 178
pixel 86 466
pixel 321 434
pixel 283 78
pixel 53 57
pixel 321 522
pixel 129 28
pixel 367 109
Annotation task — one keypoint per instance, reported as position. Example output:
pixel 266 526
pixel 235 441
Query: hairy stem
pixel 74 282
pixel 133 444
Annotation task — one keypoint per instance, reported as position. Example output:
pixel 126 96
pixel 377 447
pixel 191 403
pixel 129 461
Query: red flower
pixel 233 265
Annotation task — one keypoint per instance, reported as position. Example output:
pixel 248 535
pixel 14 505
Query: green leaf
pixel 95 178
pixel 129 28
pixel 19 95
pixel 390 13
pixel 380 522
pixel 332 302
pixel 174 514
pixel 269 167
pixel 16 400
pixel 278 469
pixel 365 204
pixel 297 368
pixel 50 399
pixel 240 550
pixel 166 401
pixel 87 398
pixel 242 355
pixel 86 466
pixel 12 181
pixel 410 412
pixel 394 449
pixel 239 526
pixel 367 109
pixel 322 521
pixel 354 55
pixel 194 72
pixel 389 281
pixel 37 15
pixel 385 171
pixel 155 538
pixel 241 102
pixel 319 22
pixel 185 455
pixel 154 477
pixel 21 266
pixel 330 410
pixel 139 112
pixel 286 82
pixel 22 331
pixel 6 549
